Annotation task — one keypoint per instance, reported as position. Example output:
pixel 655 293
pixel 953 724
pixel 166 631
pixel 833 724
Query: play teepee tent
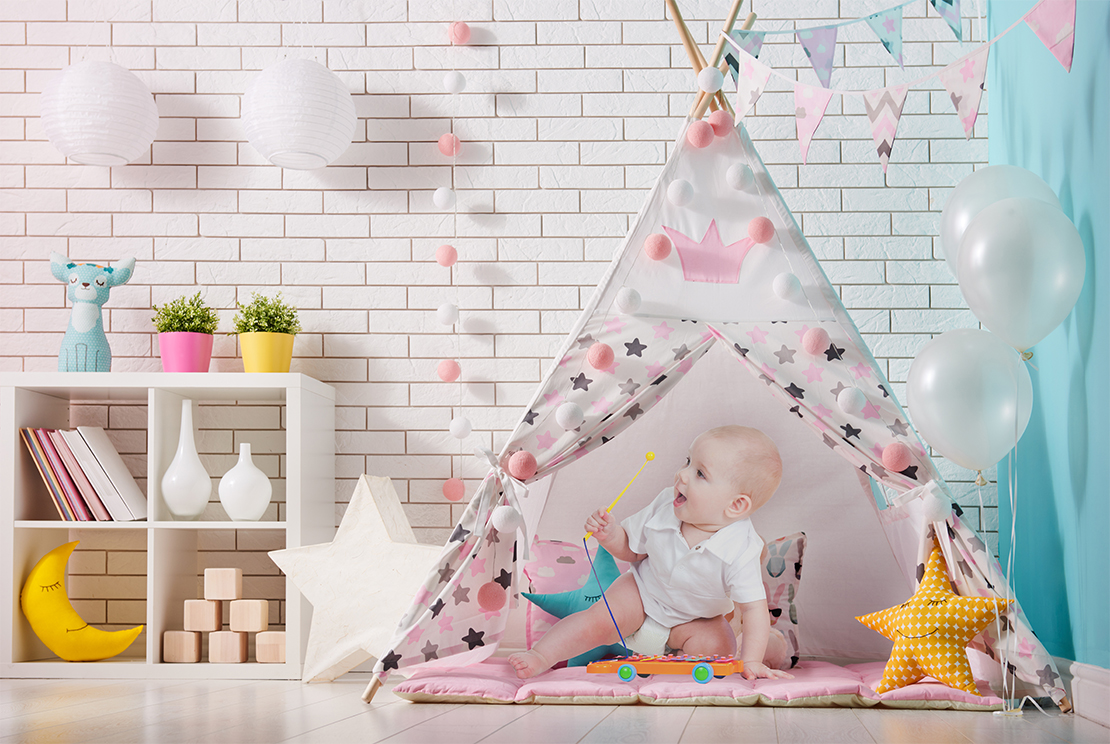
pixel 726 329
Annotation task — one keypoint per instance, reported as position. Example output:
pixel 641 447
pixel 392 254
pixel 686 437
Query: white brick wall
pixel 570 110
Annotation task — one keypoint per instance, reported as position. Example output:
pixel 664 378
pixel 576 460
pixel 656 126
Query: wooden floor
pixel 237 711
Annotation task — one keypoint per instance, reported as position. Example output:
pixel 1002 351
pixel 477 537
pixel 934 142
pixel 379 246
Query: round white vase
pixel 186 486
pixel 245 490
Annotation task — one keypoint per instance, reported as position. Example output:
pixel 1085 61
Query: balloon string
pixel 597 578
pixel 647 458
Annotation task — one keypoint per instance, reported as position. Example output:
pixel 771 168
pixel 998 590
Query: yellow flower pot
pixel 266 352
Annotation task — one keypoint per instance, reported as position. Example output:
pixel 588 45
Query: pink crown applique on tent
pixel 709 260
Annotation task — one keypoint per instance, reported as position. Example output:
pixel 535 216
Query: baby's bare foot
pixel 528 664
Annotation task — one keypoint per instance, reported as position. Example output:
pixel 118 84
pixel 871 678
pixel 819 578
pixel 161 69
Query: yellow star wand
pixel 647 458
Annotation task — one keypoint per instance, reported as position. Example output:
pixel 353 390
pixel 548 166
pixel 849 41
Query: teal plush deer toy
pixel 85 347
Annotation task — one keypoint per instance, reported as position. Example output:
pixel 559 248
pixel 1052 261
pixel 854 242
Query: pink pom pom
pixel 454 489
pixel 449 144
pixel 522 465
pixel 491 596
pixel 897 457
pixel 700 134
pixel 448 370
pixel 722 122
pixel 657 246
pixel 761 230
pixel 446 255
pixel 600 356
pixel 815 341
pixel 459 32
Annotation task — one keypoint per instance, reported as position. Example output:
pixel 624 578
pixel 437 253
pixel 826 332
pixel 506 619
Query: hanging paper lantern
pixel 454 82
pixel 740 177
pixel 680 192
pixel 444 198
pixel 448 313
pixel 448 370
pixel 449 144
pixel 459 32
pixel 600 355
pixel 815 341
pixel 506 519
pixel 851 400
pixel 628 300
pixel 460 427
pixel 722 122
pixel 657 246
pixel 787 287
pixel 98 113
pixel 491 596
pixel 897 457
pixel 522 465
pixel 298 114
pixel 454 489
pixel 700 134
pixel 446 255
pixel 761 230
pixel 710 79
pixel 569 416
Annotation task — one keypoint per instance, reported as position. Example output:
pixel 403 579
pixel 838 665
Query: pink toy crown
pixel 710 260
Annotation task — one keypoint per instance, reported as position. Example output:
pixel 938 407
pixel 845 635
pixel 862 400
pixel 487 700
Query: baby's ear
pixel 739 507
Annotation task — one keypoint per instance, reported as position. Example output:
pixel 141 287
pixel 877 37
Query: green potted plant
pixel 185 327
pixel 266 328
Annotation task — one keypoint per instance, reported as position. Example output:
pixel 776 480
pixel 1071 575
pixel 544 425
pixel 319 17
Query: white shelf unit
pixel 30 526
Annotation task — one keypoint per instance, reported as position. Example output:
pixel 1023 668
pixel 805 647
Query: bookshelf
pixel 30 525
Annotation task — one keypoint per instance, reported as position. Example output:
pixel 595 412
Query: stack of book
pixel 84 474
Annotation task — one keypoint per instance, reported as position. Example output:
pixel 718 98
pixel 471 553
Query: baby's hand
pixel 757 669
pixel 600 523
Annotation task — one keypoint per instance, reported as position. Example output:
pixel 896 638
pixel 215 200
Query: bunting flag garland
pixel 884 109
pixel 820 46
pixel 949 10
pixel 809 108
pixel 1053 21
pixel 963 79
pixel 887 25
pixel 750 41
pixel 752 78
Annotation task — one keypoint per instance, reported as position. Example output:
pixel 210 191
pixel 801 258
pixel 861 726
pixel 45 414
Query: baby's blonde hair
pixel 757 469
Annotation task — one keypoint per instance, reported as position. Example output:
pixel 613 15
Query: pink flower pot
pixel 185 352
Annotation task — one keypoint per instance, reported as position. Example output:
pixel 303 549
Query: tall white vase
pixel 245 490
pixel 186 486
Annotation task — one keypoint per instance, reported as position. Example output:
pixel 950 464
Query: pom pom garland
pixel 522 465
pixel 851 400
pixel 454 489
pixel 449 144
pixel 710 79
pixel 897 457
pixel 454 82
pixel 740 177
pixel 600 356
pixel 446 255
pixel 569 416
pixel 460 427
pixel 448 370
pixel 936 509
pixel 448 313
pixel 761 230
pixel 657 246
pixel 680 192
pixel 459 32
pixel 700 134
pixel 815 341
pixel 787 287
pixel 491 596
pixel 722 123
pixel 628 300
pixel 444 198
pixel 506 519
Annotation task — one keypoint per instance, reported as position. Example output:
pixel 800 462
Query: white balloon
pixel 448 313
pixel 454 82
pixel 970 397
pixel 851 400
pixel 787 287
pixel 569 416
pixel 981 189
pixel 506 519
pixel 444 198
pixel 740 177
pixel 710 79
pixel 460 427
pixel 628 300
pixel 680 192
pixel 1021 269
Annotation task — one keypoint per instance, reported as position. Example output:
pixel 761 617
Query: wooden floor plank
pixel 824 725
pixel 658 724
pixel 914 726
pixel 466 724
pixel 713 725
pixel 551 724
pixel 374 724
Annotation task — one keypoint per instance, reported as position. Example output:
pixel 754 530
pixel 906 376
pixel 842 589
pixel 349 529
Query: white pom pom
pixel 460 427
pixel 710 79
pixel 936 508
pixel 444 198
pixel 680 192
pixel 506 519
pixel 851 400
pixel 454 82
pixel 740 177
pixel 569 416
pixel 628 300
pixel 448 313
pixel 787 287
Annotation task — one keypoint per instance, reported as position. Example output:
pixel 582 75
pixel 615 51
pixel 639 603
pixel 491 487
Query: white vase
pixel 245 490
pixel 186 486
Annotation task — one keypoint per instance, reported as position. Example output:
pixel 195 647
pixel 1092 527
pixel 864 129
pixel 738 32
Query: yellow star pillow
pixel 931 631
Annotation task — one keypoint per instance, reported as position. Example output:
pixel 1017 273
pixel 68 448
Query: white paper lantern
pixel 460 427
pixel 628 300
pixel 448 313
pixel 443 197
pixel 570 416
pixel 98 113
pixel 298 114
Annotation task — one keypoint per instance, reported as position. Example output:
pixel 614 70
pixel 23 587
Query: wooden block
pixel 203 614
pixel 223 583
pixel 250 615
pixel 227 647
pixel 269 647
pixel 180 647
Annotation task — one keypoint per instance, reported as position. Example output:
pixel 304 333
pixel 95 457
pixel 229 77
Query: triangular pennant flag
pixel 963 79
pixel 750 41
pixel 820 46
pixel 1053 21
pixel 751 79
pixel 950 11
pixel 884 109
pixel 887 25
pixel 809 107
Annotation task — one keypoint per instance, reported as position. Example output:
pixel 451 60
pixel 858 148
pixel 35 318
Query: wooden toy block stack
pixel 206 616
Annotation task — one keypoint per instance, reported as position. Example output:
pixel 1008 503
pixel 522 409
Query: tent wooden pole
pixel 371 690
pixel 697 61
pixel 698 109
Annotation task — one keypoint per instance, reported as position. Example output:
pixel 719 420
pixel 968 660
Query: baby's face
pixel 705 487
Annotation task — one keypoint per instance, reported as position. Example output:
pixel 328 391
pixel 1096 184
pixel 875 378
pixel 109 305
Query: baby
pixel 695 557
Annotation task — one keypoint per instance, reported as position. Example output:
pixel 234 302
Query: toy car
pixel 701 668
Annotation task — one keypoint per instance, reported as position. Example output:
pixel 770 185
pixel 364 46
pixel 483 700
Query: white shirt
pixel 678 583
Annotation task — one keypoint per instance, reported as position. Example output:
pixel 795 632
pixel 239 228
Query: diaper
pixel 649 640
